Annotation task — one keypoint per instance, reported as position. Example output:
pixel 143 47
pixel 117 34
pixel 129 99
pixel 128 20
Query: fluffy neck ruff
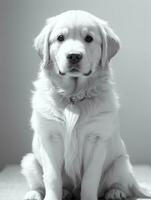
pixel 95 86
pixel 52 86
pixel 90 88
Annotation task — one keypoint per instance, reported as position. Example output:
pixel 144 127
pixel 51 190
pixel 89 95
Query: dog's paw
pixel 33 195
pixel 115 194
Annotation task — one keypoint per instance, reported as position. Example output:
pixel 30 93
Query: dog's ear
pixel 110 42
pixel 113 43
pixel 41 42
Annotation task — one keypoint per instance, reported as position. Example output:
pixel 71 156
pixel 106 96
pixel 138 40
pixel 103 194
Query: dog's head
pixel 75 43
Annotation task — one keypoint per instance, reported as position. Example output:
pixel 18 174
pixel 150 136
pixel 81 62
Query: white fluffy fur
pixel 76 142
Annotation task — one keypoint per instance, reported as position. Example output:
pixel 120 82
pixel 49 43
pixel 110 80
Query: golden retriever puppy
pixel 77 148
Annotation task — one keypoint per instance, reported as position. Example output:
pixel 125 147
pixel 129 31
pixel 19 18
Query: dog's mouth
pixel 75 72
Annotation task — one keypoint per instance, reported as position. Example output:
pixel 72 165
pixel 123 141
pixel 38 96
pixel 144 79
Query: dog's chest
pixel 89 120
pixel 83 127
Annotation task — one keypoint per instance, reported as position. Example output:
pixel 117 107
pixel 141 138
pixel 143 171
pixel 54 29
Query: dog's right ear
pixel 41 42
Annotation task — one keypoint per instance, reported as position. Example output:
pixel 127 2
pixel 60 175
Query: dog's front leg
pixel 94 160
pixel 52 161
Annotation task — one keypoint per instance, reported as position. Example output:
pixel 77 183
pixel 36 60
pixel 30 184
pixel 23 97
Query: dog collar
pixel 79 97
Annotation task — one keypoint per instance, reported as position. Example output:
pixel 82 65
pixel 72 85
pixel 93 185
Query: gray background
pixel 21 21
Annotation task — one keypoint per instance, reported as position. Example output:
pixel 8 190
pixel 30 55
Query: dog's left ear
pixel 41 42
pixel 110 42
pixel 113 43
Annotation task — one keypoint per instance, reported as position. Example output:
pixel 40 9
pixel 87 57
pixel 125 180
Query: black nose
pixel 74 58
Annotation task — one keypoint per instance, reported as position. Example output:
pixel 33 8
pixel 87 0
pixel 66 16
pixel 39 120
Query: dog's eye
pixel 60 38
pixel 88 38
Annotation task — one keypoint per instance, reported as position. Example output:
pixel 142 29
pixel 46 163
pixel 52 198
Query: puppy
pixel 77 147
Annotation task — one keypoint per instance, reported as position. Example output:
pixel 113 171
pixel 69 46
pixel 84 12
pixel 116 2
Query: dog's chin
pixel 73 80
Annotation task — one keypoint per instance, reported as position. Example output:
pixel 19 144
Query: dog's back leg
pixel 119 181
pixel 32 171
